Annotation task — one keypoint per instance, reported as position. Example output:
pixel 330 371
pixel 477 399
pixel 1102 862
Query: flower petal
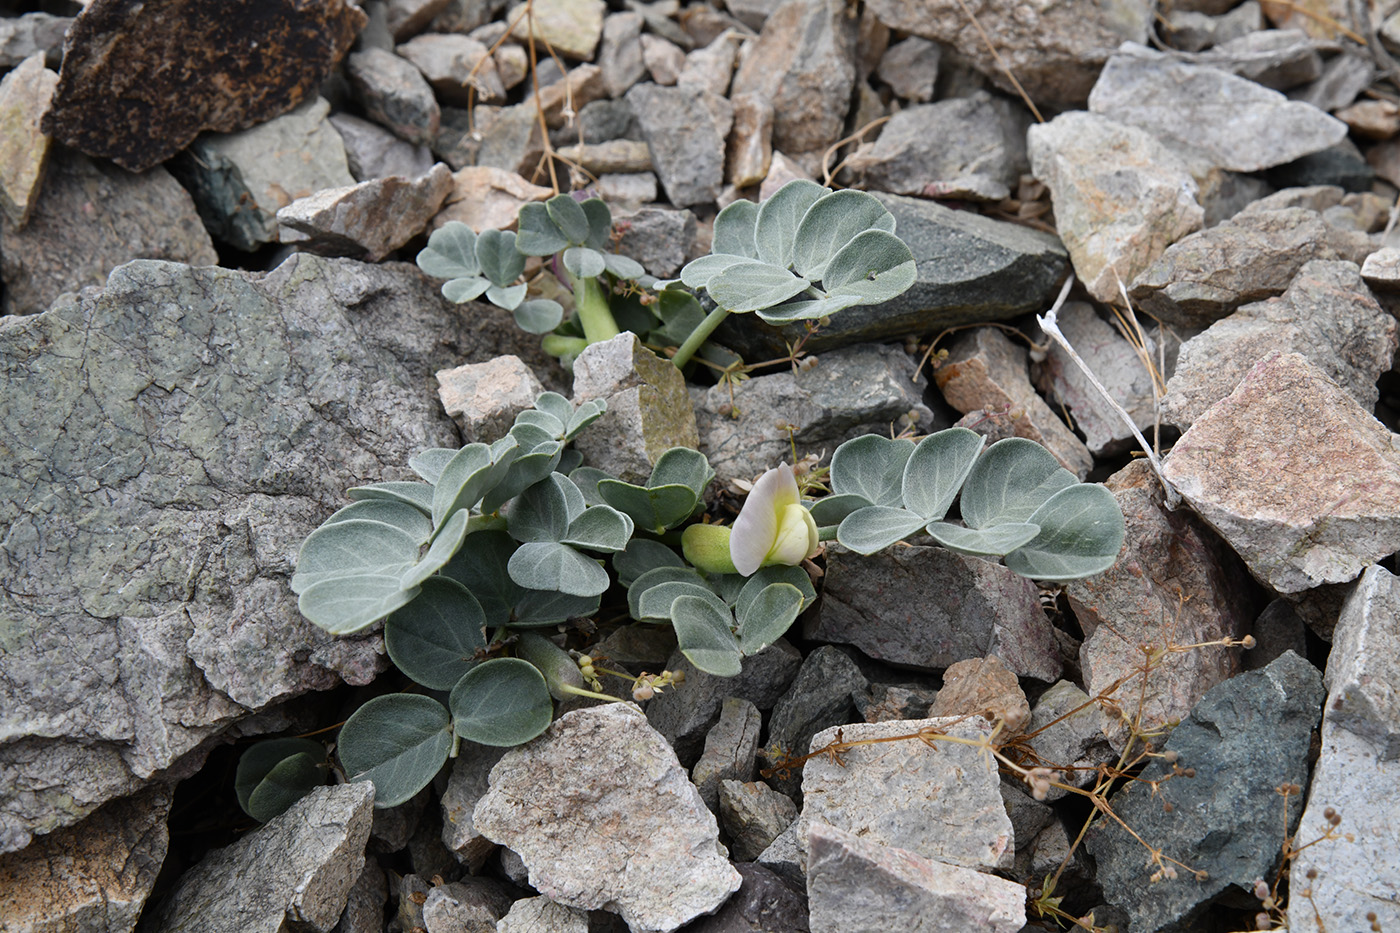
pixel 795 537
pixel 756 528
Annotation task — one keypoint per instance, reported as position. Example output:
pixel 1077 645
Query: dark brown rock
pixel 142 79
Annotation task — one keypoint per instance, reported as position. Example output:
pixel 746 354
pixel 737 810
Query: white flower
pixel 773 527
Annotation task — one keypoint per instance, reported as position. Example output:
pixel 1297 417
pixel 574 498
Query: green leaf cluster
pixel 488 264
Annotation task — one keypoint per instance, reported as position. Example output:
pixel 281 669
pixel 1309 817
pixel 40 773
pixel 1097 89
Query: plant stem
pixel 580 692
pixel 827 532
pixel 699 336
pixel 555 345
pixel 591 302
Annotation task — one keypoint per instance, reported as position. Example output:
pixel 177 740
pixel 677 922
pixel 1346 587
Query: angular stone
pixel 583 800
pixel 141 79
pixel 395 94
pixel 472 905
pixel 660 239
pixel 1191 31
pixel 1068 733
pixel 820 698
pixel 367 221
pixel 298 868
pixel 910 68
pixel 1174 584
pixel 1328 315
pixel 858 886
pixel 240 180
pixel 620 55
pixel 710 68
pixel 91 218
pixel 627 191
pixel 982 156
pixel 1276 58
pixel 1344 77
pixel 467 785
pixel 804 63
pixel 881 604
pixel 753 814
pixel 1121 197
pixel 571 27
pixel 983 687
pixel 663 59
pixel 1245 738
pixel 92 876
pixel 1381 270
pixel 373 152
pixel 460 70
pixel 22 36
pixel 1252 256
pixel 1277 629
pixel 1055 52
pixel 781 170
pixel 1358 768
pixel 487 198
pixel 1238 124
pixel 750 147
pixel 730 750
pixel 541 915
pixel 364 907
pixel 886 702
pixel 765 903
pixel 685 127
pixel 942 803
pixel 406 18
pixel 612 155
pixel 1300 515
pixel 784 859
pixel 1372 119
pixel 484 398
pixel 24 98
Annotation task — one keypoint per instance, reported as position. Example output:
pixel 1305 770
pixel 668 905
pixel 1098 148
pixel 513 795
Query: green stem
pixel 594 313
pixel 699 336
pixel 580 692
pixel 556 345
pixel 827 532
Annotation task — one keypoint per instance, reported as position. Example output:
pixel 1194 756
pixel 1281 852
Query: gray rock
pixel 631 190
pixel 731 747
pixel 885 702
pixel 660 239
pixel 1240 125
pixel 600 121
pixel 460 70
pixel 487 198
pixel 765 903
pixel 753 814
pixel 373 152
pixel 620 55
pixel 465 787
pixel 613 155
pixel 1029 818
pixel 484 398
pixel 1174 584
pixel 1342 164
pixel 583 800
pixel 24 149
pixel 23 36
pixel 1381 270
pixel 1355 774
pixel 686 128
pixel 540 914
pixel 750 149
pixel 878 604
pixel 784 859
pixel 1191 31
pixel 367 221
pixel 472 905
pixel 983 687
pixel 92 876
pixel 1252 256
pixel 1343 77
pixel 394 94
pixel 711 67
pixel 804 63
pixel 394 827
pixel 1275 58
pixel 858 886
pixel 1299 514
pixel 405 18
pixel 412 893
pixel 153 524
pixel 942 804
pixel 571 27
pixel 847 393
pixel 298 868
pixel 983 155
pixel 240 180
pixel 509 139
pixel 663 58
pixel 910 68
pixel 1277 629
pixel 1223 817
pixel 1068 733
pixel 364 906
pixel 1328 315
pixel 820 697
pixel 1120 196
pixel 91 218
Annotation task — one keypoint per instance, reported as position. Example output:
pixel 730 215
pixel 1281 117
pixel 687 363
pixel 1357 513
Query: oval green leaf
pixel 583 262
pixel 570 217
pixel 351 547
pixel 502 702
pixel 869 530
pixel 750 285
pixel 435 638
pixel 601 528
pixel 498 258
pixel 936 470
pixel 538 235
pixel 508 297
pixel 775 228
pixel 401 515
pixel 872 467
pixel 1010 481
pixel 874 267
pixel 445 544
pixel 459 291
pixel 704 637
pixel 480 566
pixel 734 230
pixel 450 253
pixel 641 555
pixel 1081 533
pixel 995 541
pixel 539 315
pixel 766 617
pixel 418 495
pixel 261 758
pixel 547 566
pixel 399 742
pixel 830 223
pixel 292 779
pixel 344 605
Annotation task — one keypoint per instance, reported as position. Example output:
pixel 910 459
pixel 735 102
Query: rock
pixel 684 716
pixel 406 18
pixel 1222 817
pixel 484 398
pixel 472 905
pixel 910 68
pixel 781 170
pixel 750 148
pixel 886 702
pixel 858 886
pixel 985 371
pixel 239 181
pixel 663 59
pixel 1191 31
pixel 627 191
pixel 91 218
pixel 610 156
pixel 367 221
pixel 24 98
pixel 1372 119
pixel 92 876
pixel 460 70
pixel 395 94
pixel 487 198
pixel 364 907
pixel 983 687
pixel 297 868
pixel 620 55
pixel 983 155
pixel 1174 584
pixel 1341 165
pixel 1328 315
pixel 1381 270
pixel 1120 196
pixel 1298 514
pixel 1238 124
pixel 140 80
pixel 940 803
pixel 571 27
pixel 730 749
pixel 1276 58
pixel 512 65
pixel 1343 77
pixel 784 859
pixel 156 523
pixel 1277 629
pixel 1355 877
pixel 881 605
pixel 465 787
pixel 849 392
pixel 412 893
pixel 648 409
pixel 658 238
pixel 1068 734
pixel 1055 52
pixel 803 62
pixel 23 36
pixel 373 152
pixel 753 814
pixel 685 127
pixel 583 800
pixel 541 915
pixel 765 903
pixel 1254 255
pixel 710 68
pixel 820 698
pixel 1355 211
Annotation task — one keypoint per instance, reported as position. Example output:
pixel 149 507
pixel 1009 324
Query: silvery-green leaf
pixel 261 758
pixel 430 463
pixel 874 267
pixel 698 272
pixel 450 253
pixel 401 515
pixel 498 258
pixel 463 290
pixel 354 546
pixel 704 636
pixel 654 509
pixel 480 566
pixel 445 544
pixel 539 315
pixel 538 235
pixel 545 607
pixel 734 230
pixel 805 310
pixel 552 427
pixel 654 602
pixel 682 466
pixel 601 528
pixel 555 404
pixel 547 566
pixel 532 436
pixel 435 638
pixel 767 576
pixel 289 780
pixel 343 605
pixel 569 461
pixel 508 297
pixel 399 741
pixel 936 470
pixel 1081 533
pixel 869 530
pixel 872 467
pixel 573 498
pixel 641 555
pixel 984 542
pixel 418 495
pixel 624 267
pixel 584 262
pixel 569 216
pixel 1010 481
pixel 501 702
pixel 586 478
pixel 832 222
pixel 767 616
pixel 775 228
pixel 464 480
pixel 587 413
pixel 655 577
pixel 599 223
pixel 830 510
pixel 523 472
pixel 750 285
pixel 540 513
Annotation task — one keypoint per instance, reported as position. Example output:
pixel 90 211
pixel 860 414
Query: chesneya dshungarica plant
pixel 476 565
